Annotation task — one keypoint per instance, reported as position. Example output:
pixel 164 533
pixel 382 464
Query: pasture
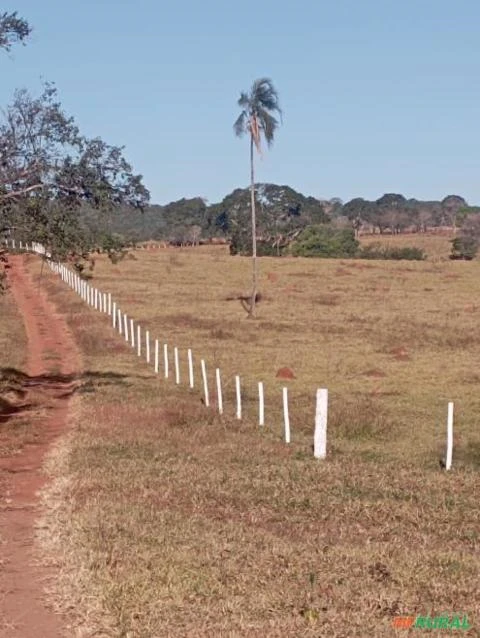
pixel 168 520
pixel 12 348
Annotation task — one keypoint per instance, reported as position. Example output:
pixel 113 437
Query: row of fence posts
pixel 132 334
pixel 103 303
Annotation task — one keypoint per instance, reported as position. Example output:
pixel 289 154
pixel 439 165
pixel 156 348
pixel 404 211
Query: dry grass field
pixel 436 245
pixel 12 359
pixel 167 520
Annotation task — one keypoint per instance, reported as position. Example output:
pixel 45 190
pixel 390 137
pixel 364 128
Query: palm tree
pixel 257 119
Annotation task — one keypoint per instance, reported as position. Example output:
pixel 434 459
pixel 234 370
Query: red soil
pixel 285 373
pixel 375 373
pixel 400 354
pixel 51 365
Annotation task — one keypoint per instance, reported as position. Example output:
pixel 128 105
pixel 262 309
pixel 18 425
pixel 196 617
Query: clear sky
pixel 378 95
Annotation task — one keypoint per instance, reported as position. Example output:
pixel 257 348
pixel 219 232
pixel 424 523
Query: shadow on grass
pixel 15 385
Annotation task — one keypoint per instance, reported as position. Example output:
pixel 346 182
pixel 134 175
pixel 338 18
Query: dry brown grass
pixel 436 245
pixel 13 432
pixel 178 523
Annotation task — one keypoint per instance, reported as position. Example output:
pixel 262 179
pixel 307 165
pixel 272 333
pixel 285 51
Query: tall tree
pixel 12 30
pixel 257 119
pixel 451 205
pixel 49 174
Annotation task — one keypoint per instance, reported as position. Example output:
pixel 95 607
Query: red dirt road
pixel 51 366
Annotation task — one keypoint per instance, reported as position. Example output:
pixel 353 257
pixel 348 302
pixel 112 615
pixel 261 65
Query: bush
pixel 325 241
pixel 464 247
pixel 377 251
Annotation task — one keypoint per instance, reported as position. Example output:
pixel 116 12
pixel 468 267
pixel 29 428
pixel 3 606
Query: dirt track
pixel 52 364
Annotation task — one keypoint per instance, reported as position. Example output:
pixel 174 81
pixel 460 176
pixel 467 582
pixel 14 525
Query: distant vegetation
pixel 289 222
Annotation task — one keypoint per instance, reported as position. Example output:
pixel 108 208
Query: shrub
pixel 325 241
pixel 464 247
pixel 377 251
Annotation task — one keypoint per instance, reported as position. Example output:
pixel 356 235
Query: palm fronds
pixel 259 108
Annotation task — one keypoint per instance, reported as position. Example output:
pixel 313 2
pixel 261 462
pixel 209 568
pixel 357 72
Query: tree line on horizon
pixel 282 213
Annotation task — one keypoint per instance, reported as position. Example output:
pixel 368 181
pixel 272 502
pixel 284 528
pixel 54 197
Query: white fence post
pixel 109 303
pixel 96 299
pixel 321 418
pixel 205 383
pixel 165 359
pixel 132 334
pixel 448 460
pixel 114 314
pixel 147 344
pixel 125 325
pixel 139 340
pixel 261 404
pixel 286 415
pixel 104 302
pixel 119 321
pixel 177 366
pixel 239 397
pixel 190 368
pixel 219 391
pixel 156 356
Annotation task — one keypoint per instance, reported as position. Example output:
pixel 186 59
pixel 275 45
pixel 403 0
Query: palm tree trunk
pixel 251 312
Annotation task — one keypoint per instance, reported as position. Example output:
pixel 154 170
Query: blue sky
pixel 378 95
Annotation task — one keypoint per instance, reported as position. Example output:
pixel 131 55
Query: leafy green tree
pixel 281 213
pixel 13 30
pixel 257 119
pixel 49 173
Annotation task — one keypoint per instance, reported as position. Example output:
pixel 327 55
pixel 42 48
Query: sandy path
pixel 52 363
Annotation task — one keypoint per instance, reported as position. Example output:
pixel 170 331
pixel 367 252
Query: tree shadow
pixel 9 409
pixel 16 384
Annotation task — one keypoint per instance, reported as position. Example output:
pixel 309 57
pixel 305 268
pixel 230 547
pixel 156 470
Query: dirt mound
pixel 375 373
pixel 285 373
pixel 400 353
